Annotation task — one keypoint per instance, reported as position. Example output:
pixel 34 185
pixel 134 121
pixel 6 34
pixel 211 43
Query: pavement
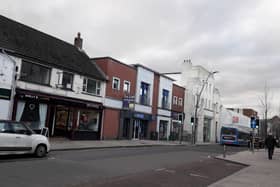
pixel 61 144
pixel 260 171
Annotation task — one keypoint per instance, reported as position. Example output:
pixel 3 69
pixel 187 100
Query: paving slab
pixel 65 144
pixel 260 171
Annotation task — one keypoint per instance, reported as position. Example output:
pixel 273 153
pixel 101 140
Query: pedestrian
pixel 270 142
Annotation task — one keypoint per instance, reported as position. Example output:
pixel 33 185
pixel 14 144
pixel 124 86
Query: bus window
pixel 228 131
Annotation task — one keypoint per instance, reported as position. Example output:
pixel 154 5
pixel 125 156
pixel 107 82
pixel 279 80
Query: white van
pixel 18 138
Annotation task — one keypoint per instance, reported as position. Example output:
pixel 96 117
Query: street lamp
pixel 194 131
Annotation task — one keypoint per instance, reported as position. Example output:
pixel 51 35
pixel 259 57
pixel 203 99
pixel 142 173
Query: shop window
pixel 89 120
pixel 35 73
pixel 33 113
pixel 126 86
pixel 144 93
pixel 91 86
pixel 116 83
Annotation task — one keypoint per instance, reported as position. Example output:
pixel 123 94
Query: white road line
pixel 196 175
pixel 160 169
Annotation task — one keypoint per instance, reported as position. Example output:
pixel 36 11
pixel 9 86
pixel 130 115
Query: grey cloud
pixel 237 37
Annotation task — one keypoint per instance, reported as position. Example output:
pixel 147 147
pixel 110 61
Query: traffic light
pixel 192 119
pixel 257 122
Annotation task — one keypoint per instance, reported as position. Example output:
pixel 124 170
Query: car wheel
pixel 41 151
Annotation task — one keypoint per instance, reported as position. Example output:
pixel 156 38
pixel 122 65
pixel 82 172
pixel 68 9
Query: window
pixel 116 83
pixel 164 101
pixel 180 102
pixel 144 93
pixel 174 100
pixel 35 73
pixel 126 86
pixel 91 86
pixel 89 120
pixel 6 127
pixel 67 80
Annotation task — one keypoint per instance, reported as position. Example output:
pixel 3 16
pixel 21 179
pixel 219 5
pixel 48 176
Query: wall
pixel 7 67
pixel 114 68
pixel 111 123
pixel 54 90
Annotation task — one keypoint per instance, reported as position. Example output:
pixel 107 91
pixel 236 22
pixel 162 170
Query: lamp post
pixel 194 133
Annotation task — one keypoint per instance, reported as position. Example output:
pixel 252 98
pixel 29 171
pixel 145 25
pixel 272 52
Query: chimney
pixel 78 42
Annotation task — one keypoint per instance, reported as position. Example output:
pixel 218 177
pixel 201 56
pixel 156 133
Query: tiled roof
pixel 35 45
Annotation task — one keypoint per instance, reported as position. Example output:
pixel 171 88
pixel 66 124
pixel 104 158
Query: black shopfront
pixel 64 117
pixel 134 125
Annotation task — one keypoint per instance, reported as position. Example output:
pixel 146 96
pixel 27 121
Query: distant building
pixel 245 111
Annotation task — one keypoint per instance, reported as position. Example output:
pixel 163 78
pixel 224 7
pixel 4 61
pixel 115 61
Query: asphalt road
pixel 145 166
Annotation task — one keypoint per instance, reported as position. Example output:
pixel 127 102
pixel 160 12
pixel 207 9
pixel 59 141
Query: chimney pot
pixel 78 42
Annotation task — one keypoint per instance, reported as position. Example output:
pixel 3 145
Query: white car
pixel 18 138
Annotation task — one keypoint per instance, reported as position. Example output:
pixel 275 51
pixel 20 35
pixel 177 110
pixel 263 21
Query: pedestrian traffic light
pixel 257 122
pixel 192 119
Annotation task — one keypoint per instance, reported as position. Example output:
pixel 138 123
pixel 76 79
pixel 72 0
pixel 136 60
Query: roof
pixel 112 59
pixel 28 43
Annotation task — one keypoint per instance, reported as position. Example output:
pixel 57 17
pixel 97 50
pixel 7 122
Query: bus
pixel 235 135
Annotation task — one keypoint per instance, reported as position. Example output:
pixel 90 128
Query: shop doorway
pixel 140 128
pixel 125 130
pixel 206 129
pixel 63 121
pixel 163 129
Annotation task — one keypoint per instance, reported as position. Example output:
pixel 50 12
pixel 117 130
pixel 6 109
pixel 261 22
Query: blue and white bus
pixel 235 135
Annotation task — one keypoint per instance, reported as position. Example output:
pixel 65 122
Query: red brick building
pixel 121 84
pixel 177 108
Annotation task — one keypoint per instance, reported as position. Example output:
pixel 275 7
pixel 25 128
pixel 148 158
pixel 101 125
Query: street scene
pixel 139 93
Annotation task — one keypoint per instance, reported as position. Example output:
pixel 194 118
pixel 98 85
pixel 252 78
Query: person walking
pixel 270 142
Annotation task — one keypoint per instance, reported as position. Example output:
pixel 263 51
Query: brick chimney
pixel 78 42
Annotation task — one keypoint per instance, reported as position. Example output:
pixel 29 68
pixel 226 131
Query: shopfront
pixel 65 117
pixel 134 125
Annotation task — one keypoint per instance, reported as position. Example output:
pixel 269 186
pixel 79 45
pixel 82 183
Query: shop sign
pixel 33 97
pixel 142 116
pixel 5 93
pixel 92 105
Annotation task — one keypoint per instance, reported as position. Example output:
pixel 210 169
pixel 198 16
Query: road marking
pixel 160 169
pixel 170 171
pixel 196 175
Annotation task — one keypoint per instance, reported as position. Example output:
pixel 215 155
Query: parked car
pixel 18 138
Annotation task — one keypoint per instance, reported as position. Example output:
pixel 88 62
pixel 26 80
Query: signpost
pixel 253 126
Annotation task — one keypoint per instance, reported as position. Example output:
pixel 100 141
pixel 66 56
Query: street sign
pixel 253 122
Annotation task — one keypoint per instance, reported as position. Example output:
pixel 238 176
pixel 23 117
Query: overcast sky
pixel 239 38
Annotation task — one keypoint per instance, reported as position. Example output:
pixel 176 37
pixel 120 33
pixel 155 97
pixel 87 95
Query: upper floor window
pixel 35 73
pixel 126 86
pixel 116 83
pixel 165 97
pixel 180 102
pixel 175 100
pixel 92 86
pixel 65 80
pixel 144 93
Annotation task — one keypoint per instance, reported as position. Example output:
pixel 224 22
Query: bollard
pixel 224 153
